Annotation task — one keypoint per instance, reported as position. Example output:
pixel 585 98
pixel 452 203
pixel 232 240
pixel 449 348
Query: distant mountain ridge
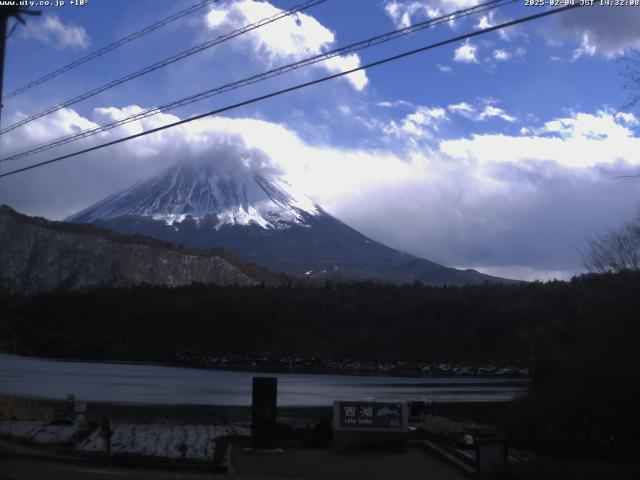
pixel 264 220
pixel 38 254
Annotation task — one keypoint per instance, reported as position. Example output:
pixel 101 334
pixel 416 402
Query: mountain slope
pixel 263 220
pixel 36 254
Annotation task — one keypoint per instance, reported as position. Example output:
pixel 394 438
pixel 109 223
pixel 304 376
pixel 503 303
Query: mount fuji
pixel 266 221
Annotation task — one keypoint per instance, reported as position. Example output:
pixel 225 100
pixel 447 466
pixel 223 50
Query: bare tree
pixel 630 70
pixel 616 250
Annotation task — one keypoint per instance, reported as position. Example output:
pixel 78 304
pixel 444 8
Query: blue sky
pixel 498 153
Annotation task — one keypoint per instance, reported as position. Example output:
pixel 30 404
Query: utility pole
pixel 7 12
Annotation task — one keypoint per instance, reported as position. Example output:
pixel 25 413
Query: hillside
pixel 37 254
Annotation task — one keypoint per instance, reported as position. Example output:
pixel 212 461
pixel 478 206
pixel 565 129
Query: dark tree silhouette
pixel 630 71
pixel 615 251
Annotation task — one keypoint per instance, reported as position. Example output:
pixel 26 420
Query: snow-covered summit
pixel 200 191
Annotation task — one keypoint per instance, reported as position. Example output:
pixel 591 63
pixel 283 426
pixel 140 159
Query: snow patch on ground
pixel 38 431
pixel 189 442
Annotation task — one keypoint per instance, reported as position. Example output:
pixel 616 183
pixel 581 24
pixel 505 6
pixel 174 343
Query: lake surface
pixel 155 384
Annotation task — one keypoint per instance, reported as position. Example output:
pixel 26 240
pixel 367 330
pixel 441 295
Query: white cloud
pixel 296 36
pixel 462 108
pixel 423 122
pixel 405 13
pixel 343 63
pixel 51 31
pixel 395 103
pixel 401 13
pixel 501 55
pixel 444 68
pixel 577 142
pixel 427 116
pixel 628 118
pixel 484 22
pixel 466 53
pixel 491 19
pixel 215 18
pixel 345 110
pixel 483 110
pixel 586 48
pixel 494 112
pixel 291 38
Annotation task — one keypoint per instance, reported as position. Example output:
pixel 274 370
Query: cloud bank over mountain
pixel 491 201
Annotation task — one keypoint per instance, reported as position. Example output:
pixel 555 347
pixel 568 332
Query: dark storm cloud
pixel 538 221
pixel 599 29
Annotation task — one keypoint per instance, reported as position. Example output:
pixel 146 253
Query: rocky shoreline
pixel 271 363
pixel 299 364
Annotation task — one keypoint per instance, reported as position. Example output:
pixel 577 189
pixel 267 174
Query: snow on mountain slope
pixel 199 191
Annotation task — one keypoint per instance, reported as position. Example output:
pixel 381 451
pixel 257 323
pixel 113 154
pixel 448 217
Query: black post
pixel 5 13
pixel 263 412
pixel 71 407
pixel 491 456
pixel 107 433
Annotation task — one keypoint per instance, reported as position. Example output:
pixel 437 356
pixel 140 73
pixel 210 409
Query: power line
pixel 376 40
pixel 108 48
pixel 165 62
pixel 15 24
pixel 301 86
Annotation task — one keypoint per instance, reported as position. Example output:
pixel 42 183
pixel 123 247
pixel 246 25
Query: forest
pixel 592 316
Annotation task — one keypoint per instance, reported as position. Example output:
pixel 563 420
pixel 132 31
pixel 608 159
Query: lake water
pixel 155 384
